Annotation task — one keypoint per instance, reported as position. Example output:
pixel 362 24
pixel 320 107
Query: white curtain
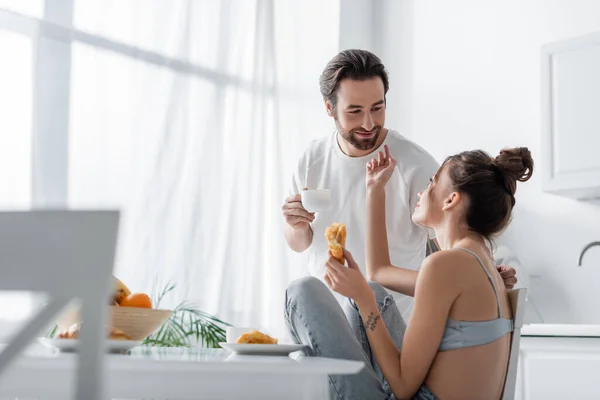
pixel 195 138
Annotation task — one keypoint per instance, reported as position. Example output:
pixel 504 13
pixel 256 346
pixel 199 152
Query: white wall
pixel 466 74
pixel 356 24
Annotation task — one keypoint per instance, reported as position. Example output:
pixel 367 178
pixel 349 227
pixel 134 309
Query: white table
pixel 178 373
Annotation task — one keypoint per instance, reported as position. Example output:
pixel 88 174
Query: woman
pixel 457 342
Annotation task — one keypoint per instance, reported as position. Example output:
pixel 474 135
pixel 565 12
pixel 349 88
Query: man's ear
pixel 329 108
pixel 451 201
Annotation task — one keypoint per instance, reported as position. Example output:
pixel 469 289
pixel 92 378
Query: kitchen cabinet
pixel 559 367
pixel 571 117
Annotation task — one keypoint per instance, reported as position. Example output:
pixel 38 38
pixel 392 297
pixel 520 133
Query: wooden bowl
pixel 138 323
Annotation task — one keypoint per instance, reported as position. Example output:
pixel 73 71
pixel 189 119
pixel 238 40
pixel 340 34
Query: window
pixel 162 97
pixel 31 8
pixel 157 25
pixel 117 113
pixel 15 145
pixel 15 124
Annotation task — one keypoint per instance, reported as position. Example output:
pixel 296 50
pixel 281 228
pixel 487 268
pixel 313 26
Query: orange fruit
pixel 140 300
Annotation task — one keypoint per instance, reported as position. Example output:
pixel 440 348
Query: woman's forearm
pixel 385 351
pixel 379 267
pixel 377 249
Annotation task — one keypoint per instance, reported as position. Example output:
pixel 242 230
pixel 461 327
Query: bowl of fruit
pixel 131 313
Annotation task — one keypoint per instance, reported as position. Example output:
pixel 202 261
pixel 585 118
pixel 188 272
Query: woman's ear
pixel 451 201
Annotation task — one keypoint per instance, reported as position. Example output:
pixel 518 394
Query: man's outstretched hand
pixel 509 275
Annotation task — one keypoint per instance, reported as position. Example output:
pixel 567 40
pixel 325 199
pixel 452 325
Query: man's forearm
pixel 298 239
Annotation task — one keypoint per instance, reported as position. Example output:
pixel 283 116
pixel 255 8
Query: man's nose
pixel 368 124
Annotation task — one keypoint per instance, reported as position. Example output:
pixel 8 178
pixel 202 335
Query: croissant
pixel 74 330
pixel 336 240
pixel 71 333
pixel 255 337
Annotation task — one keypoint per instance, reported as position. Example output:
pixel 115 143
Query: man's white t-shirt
pixel 324 166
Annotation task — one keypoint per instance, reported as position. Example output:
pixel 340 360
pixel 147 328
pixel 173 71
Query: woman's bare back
pixel 476 372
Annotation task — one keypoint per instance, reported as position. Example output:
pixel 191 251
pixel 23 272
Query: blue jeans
pixel 315 319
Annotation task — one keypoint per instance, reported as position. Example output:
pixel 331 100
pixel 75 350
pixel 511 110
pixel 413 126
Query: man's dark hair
pixel 352 64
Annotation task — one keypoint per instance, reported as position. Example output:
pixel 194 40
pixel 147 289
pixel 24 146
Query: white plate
pixel 262 349
pixel 70 345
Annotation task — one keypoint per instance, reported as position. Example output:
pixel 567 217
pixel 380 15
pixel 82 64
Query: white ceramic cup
pixel 233 333
pixel 316 200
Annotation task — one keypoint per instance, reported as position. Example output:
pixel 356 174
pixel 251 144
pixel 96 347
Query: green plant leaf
pixel 187 323
pixel 52 331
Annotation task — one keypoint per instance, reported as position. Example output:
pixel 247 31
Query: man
pixel 354 85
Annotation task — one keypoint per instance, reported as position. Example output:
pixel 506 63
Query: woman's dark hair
pixel 490 184
pixel 353 64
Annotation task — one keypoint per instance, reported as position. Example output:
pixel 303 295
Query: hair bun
pixel 516 165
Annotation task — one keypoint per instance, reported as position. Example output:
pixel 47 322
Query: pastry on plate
pixel 255 337
pixel 71 333
pixel 74 330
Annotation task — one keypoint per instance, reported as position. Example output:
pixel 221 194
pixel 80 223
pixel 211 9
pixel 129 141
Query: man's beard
pixel 355 141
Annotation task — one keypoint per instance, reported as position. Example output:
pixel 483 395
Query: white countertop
pixel 177 373
pixel 561 330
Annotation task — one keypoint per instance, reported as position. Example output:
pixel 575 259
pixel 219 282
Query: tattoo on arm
pixel 372 321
